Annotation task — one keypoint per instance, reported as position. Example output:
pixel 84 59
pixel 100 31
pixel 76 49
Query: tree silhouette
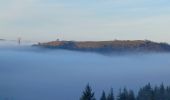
pixel 131 95
pixel 103 97
pixel 145 93
pixel 88 94
pixel 126 95
pixel 111 95
pixel 123 95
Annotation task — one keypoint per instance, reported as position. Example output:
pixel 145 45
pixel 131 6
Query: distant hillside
pixel 2 39
pixel 109 46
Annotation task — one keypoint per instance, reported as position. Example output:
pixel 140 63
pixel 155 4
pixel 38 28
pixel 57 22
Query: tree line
pixel 147 92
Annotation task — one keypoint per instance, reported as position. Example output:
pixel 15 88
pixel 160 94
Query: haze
pixel 46 20
pixel 28 73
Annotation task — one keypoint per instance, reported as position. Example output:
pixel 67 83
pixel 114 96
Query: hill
pixel 2 39
pixel 108 46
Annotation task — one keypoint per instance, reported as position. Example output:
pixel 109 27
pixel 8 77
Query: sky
pixel 47 20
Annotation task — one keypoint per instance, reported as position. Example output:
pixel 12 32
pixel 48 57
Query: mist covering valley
pixel 31 73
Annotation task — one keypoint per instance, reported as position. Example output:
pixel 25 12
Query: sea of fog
pixel 29 73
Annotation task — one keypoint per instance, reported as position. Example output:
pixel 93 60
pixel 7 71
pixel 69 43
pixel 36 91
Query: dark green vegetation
pixel 109 46
pixel 145 93
pixel 88 94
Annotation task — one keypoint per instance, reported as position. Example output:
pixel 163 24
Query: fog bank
pixel 29 73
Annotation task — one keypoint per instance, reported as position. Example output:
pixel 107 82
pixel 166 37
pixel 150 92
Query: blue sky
pixel 45 20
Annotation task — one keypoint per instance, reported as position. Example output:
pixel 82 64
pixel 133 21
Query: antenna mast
pixel 19 40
